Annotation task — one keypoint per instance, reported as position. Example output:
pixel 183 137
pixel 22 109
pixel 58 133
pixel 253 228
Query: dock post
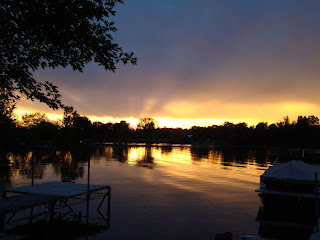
pixel 2 222
pixel 31 215
pixel 316 201
pixel 51 211
pixel 88 180
pixel 88 191
pixel 109 205
pixel 32 170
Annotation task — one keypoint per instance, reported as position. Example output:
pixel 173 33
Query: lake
pixel 163 191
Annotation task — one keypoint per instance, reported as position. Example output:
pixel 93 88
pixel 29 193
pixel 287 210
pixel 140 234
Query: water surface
pixel 160 191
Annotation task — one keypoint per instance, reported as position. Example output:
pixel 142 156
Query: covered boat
pixel 287 193
pixel 291 178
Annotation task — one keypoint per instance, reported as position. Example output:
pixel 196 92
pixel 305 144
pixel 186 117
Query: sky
pixel 202 62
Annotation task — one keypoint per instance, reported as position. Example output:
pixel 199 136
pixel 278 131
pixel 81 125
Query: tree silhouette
pixel 7 106
pixel 261 131
pixel 147 123
pixel 43 33
pixel 284 123
pixel 83 127
pixel 313 120
pixel 121 130
pixel 69 116
pixel 30 120
pixel 304 121
pixel 7 123
pixel 37 129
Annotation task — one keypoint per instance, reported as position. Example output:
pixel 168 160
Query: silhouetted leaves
pixel 69 115
pixel 147 123
pixel 146 128
pixel 7 120
pixel 33 119
pixel 43 33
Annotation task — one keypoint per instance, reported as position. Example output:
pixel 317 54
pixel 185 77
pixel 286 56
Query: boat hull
pixel 286 217
pixel 288 208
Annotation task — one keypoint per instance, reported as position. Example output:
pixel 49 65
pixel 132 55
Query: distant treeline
pixel 36 129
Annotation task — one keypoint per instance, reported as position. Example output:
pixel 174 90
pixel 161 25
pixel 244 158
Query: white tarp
pixel 293 170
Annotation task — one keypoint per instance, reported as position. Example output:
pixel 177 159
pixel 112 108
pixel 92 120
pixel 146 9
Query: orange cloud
pixel 185 115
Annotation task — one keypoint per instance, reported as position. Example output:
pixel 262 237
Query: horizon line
pixel 162 122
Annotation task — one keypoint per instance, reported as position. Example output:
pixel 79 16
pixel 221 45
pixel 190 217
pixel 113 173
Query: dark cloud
pixel 242 52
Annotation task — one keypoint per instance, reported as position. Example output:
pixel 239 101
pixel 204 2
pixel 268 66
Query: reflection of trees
pixel 67 164
pixel 237 155
pixel 71 171
pixel 23 162
pixel 261 156
pixel 101 151
pixel 166 149
pixel 241 155
pixel 215 156
pixel 5 172
pixel 228 156
pixel 147 159
pixel 120 153
pixel 197 154
pixel 70 165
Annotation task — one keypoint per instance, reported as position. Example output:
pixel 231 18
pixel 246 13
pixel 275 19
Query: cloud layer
pixel 204 59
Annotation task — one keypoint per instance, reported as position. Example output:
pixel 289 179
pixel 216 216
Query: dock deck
pixel 61 189
pixel 50 195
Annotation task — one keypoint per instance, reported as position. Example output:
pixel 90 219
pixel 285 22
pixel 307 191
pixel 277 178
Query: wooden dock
pixel 53 196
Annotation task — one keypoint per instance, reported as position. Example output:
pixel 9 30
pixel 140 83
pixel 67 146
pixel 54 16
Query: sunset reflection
pixel 201 168
pixel 171 183
pixel 208 165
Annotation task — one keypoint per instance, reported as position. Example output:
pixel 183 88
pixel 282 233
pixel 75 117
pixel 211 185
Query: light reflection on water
pixel 159 192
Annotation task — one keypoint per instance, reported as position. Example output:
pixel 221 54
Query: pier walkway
pixel 53 196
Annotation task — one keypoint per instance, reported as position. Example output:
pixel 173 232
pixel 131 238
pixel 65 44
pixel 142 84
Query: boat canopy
pixel 294 170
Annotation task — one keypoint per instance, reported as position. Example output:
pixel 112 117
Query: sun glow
pixel 188 123
pixel 161 122
pixel 252 114
pixel 53 117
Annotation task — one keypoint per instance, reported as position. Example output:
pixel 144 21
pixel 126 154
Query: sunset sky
pixel 202 62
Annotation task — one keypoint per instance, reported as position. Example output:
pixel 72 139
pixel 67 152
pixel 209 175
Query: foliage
pixel 69 116
pixel 304 132
pixel 83 127
pixel 7 106
pixel 146 128
pixel 284 123
pixel 7 121
pixel 147 123
pixel 44 33
pixel 33 119
pixel 304 121
pixel 121 130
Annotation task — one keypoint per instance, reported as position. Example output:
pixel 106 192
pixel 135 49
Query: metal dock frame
pixel 52 203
